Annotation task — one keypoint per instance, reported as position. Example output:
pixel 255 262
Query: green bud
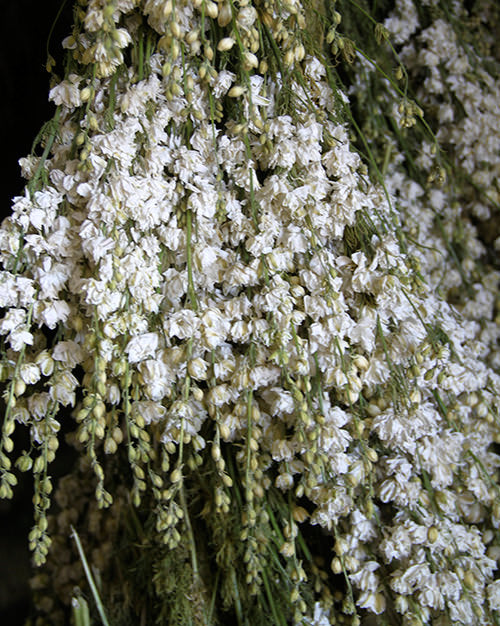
pixel 24 463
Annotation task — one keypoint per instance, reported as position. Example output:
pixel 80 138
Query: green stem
pixel 277 618
pixel 90 578
pixel 189 254
pixel 54 23
pixel 249 436
pixel 236 597
pixel 48 147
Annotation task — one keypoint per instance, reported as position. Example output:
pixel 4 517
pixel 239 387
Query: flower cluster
pixel 203 279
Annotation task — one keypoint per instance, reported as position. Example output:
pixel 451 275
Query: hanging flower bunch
pixel 278 372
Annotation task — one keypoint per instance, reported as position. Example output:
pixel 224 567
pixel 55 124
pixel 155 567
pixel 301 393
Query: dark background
pixel 24 82
pixel 24 85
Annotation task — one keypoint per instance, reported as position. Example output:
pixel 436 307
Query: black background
pixel 24 85
pixel 24 82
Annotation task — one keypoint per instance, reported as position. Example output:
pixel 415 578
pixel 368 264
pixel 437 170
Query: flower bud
pixel 227 480
pixel 211 9
pixel 85 94
pixel 19 387
pixel 216 453
pixel 225 15
pixel 236 91
pixel 39 465
pixel 299 514
pixel 225 44
pixel 289 57
pixel 24 463
pixel 191 37
pixel 469 579
pixel 287 549
pixel 176 475
pixel 175 29
pixel 336 565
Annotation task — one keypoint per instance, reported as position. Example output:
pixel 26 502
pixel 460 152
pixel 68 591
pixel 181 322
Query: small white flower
pixel 51 313
pixel 67 92
pixel 19 338
pixel 12 319
pixel 68 352
pixel 181 324
pixel 63 388
pixel 157 378
pixel 38 404
pixel 198 369
pixel 30 373
pixel 8 291
pixel 151 412
pixel 45 362
pixel 493 593
pixel 142 347
pixel 215 327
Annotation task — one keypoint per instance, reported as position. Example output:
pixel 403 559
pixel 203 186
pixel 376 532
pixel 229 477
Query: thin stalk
pixel 189 254
pixel 236 597
pixel 90 578
pixel 48 147
pixel 249 437
pixel 278 618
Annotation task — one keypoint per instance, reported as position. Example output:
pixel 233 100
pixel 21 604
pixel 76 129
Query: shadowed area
pixel 24 29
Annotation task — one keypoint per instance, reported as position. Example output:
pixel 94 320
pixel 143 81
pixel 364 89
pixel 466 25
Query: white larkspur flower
pixel 68 352
pixel 67 92
pixel 493 592
pixel 227 270
pixel 142 347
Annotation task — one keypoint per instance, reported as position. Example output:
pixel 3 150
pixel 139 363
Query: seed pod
pixel 287 549
pixel 225 15
pixel 211 9
pixel 175 30
pixel 227 480
pixel 85 94
pixel 110 446
pixel 19 387
pixel 299 53
pixel 99 410
pixel 53 443
pixel 299 514
pixel 258 490
pixel 225 44
pixel 289 57
pixel 191 37
pixel 469 579
pixel 176 475
pixel 361 362
pixel 175 49
pixel 236 91
pixel 379 603
pixel 224 431
pixel 39 465
pixel 336 565
pixel 24 463
pixel 9 427
pixel 216 453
